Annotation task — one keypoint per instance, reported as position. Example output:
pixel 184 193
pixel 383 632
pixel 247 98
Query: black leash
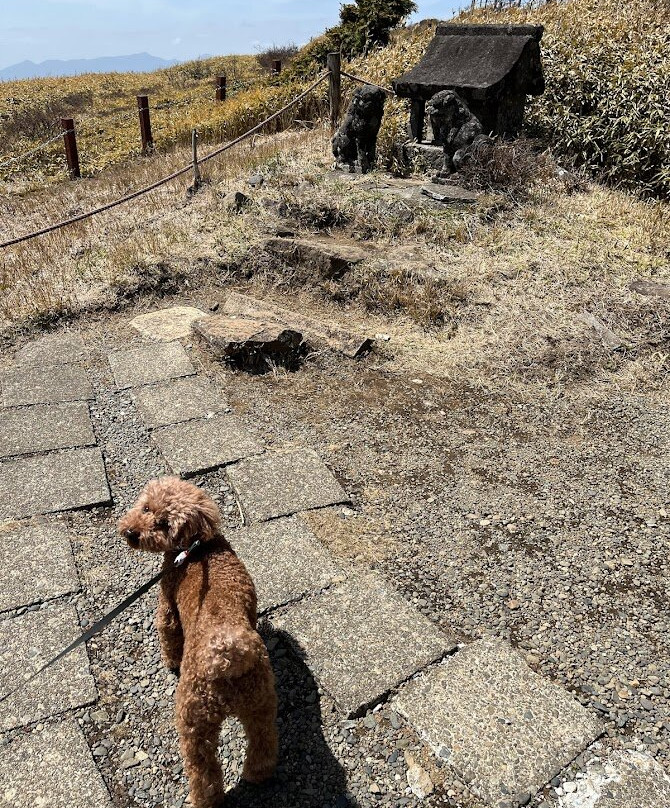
pixel 106 620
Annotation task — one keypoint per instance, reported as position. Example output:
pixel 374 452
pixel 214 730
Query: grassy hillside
pixel 104 108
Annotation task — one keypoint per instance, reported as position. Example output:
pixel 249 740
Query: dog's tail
pixel 231 652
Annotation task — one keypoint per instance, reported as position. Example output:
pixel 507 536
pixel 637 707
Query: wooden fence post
pixel 71 152
pixel 221 88
pixel 276 67
pixel 334 64
pixel 145 123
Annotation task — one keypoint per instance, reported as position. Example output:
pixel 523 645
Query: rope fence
pixel 123 113
pixel 140 192
pixel 368 83
pixel 333 75
pixel 27 154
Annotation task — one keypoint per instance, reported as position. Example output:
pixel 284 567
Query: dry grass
pixel 492 295
pixel 181 98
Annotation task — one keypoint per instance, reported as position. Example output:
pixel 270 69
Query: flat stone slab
pixel 149 364
pixel 505 729
pixel 315 332
pixel 44 427
pixel 329 258
pixel 51 768
pixel 622 780
pixel 167 324
pixel 283 483
pixel 205 444
pixel 26 643
pixel 56 349
pixel 45 384
pixel 362 639
pixel 177 401
pixel 285 560
pixel 55 482
pixel 36 563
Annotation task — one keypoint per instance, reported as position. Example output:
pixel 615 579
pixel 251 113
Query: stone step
pixel 361 639
pixel 205 444
pixel 36 564
pixel 505 730
pixel 283 483
pixel 45 384
pixel 315 332
pixel 57 349
pixel 26 643
pixel 169 324
pixel 52 767
pixel 625 779
pixel 148 364
pixel 250 342
pixel 58 481
pixel 43 427
pixel 285 560
pixel 325 258
pixel 178 400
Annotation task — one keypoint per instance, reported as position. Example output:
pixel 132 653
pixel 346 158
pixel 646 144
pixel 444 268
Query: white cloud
pixel 176 40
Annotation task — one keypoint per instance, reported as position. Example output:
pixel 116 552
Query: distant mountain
pixel 135 63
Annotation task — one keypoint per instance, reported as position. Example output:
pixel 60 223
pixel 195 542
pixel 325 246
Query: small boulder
pixel 250 343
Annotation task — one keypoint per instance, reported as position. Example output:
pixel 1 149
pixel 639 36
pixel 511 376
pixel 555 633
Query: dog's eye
pixel 146 509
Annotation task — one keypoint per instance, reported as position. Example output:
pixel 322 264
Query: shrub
pixel 284 53
pixel 508 166
pixel 607 68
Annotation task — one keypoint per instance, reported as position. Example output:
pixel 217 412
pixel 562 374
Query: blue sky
pixel 180 29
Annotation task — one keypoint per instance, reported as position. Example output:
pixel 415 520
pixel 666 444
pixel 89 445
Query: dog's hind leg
pixel 198 725
pixel 170 632
pixel 259 719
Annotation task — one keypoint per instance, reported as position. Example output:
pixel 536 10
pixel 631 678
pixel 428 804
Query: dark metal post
pixel 70 147
pixel 221 88
pixel 197 178
pixel 145 123
pixel 276 66
pixel 334 64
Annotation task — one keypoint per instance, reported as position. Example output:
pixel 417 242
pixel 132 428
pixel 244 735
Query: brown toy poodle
pixel 206 622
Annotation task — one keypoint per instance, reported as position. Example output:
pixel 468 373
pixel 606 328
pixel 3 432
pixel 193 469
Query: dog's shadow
pixel 308 774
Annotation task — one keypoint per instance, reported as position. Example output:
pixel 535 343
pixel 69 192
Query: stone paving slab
pixel 623 780
pixel 51 768
pixel 362 639
pixel 45 384
pixel 36 563
pixel 168 324
pixel 56 349
pixel 26 643
pixel 283 483
pixel 149 364
pixel 506 730
pixel 43 427
pixel 177 401
pixel 205 444
pixel 59 481
pixel 285 560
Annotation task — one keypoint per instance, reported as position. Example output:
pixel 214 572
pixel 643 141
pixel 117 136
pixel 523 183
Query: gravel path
pixel 542 522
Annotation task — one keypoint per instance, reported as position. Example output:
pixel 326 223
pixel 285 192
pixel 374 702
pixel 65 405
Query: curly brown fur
pixel 206 622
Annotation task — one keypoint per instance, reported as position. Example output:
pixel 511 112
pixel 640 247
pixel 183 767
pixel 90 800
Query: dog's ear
pixel 199 520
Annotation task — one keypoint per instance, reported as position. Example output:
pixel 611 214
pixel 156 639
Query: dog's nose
pixel 130 534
